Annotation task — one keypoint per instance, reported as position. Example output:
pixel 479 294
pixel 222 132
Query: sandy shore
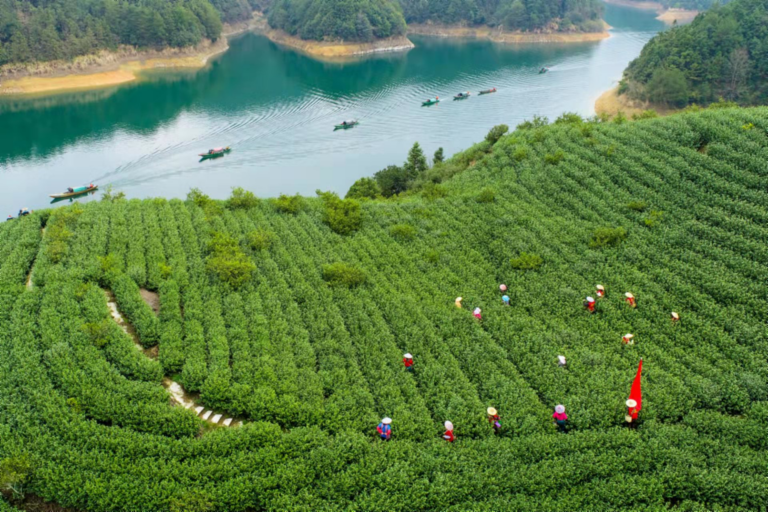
pixel 611 103
pixel 498 36
pixel 338 50
pixel 108 68
pixel 668 16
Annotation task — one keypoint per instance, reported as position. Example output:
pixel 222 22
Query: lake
pixel 277 110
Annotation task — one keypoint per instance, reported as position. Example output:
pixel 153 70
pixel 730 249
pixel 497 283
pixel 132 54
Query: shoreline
pixel 667 15
pixel 498 36
pixel 610 103
pixel 109 68
pixel 336 51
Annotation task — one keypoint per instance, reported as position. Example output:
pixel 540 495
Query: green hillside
pixel 305 346
pixel 721 54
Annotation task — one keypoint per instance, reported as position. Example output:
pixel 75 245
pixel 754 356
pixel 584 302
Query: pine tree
pixel 417 162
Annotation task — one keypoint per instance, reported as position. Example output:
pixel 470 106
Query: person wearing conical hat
pixel 561 361
pixel 632 411
pixel 560 417
pixel 589 303
pixel 599 291
pixel 675 317
pixel 448 436
pixel 505 299
pixel 493 419
pixel 385 429
pixel 630 299
pixel 477 314
pixel 628 339
pixel 408 362
pixel 503 287
pixel 458 302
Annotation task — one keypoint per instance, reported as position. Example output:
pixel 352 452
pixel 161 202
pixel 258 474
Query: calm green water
pixel 277 108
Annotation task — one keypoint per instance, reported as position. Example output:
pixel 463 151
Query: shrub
pixel 603 237
pixel 496 133
pixel 403 232
pixel 645 114
pixel 487 195
pixel 260 239
pixel 343 274
pixel 536 122
pixel 620 118
pixel 432 256
pixel 98 332
pixel 654 217
pixel 227 261
pixel 392 180
pixel 554 158
pixel 205 203
pixel 439 156
pixel 109 196
pixel 526 261
pixel 289 204
pixel 343 216
pixel 569 118
pixel 242 199
pixel 364 188
pixel 433 191
pixel 638 206
pixel 14 472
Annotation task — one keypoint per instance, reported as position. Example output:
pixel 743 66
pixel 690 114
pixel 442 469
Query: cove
pixel 277 109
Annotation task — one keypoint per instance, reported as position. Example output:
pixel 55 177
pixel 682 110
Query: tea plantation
pixel 269 316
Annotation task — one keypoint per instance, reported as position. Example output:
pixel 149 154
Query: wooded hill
pixel 293 314
pixel 722 54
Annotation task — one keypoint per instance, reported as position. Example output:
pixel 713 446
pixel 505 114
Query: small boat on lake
pixel 488 91
pixel 347 124
pixel 431 101
pixel 215 153
pixel 543 70
pixel 75 191
pixel 461 96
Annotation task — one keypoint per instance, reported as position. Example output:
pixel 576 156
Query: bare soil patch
pixel 152 299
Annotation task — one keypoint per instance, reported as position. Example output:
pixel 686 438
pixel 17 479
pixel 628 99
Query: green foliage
pixel 227 261
pixel 653 218
pixel 432 191
pixel 569 118
pixel 487 195
pixel 14 474
pixel 364 188
pixel 403 232
pixel 532 124
pixel 260 239
pixel 343 274
pixel 343 216
pixel 209 206
pixel 496 133
pixel 333 20
pixel 719 55
pixel 604 237
pixel 71 28
pixel 645 114
pixel 193 500
pixel 392 180
pixel 638 206
pixel 416 164
pixel 289 204
pixel 439 156
pixel 242 199
pixel 554 158
pixel 98 332
pixel 108 195
pixel 619 118
pixel 526 261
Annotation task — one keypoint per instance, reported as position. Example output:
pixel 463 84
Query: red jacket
pixel 448 436
pixel 407 362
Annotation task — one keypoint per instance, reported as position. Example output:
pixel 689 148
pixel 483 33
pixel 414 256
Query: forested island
pixel 722 54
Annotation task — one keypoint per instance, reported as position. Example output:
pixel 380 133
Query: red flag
pixel 635 393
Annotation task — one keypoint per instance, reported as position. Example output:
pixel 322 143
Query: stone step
pixel 216 418
pixel 198 410
pixel 226 422
pixel 207 415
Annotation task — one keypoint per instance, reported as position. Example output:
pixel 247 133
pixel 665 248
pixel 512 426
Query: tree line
pixel 722 54
pixel 62 29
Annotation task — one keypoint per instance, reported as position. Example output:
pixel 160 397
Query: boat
pixel 215 152
pixel 461 96
pixel 75 191
pixel 543 70
pixel 347 124
pixel 431 101
pixel 488 91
